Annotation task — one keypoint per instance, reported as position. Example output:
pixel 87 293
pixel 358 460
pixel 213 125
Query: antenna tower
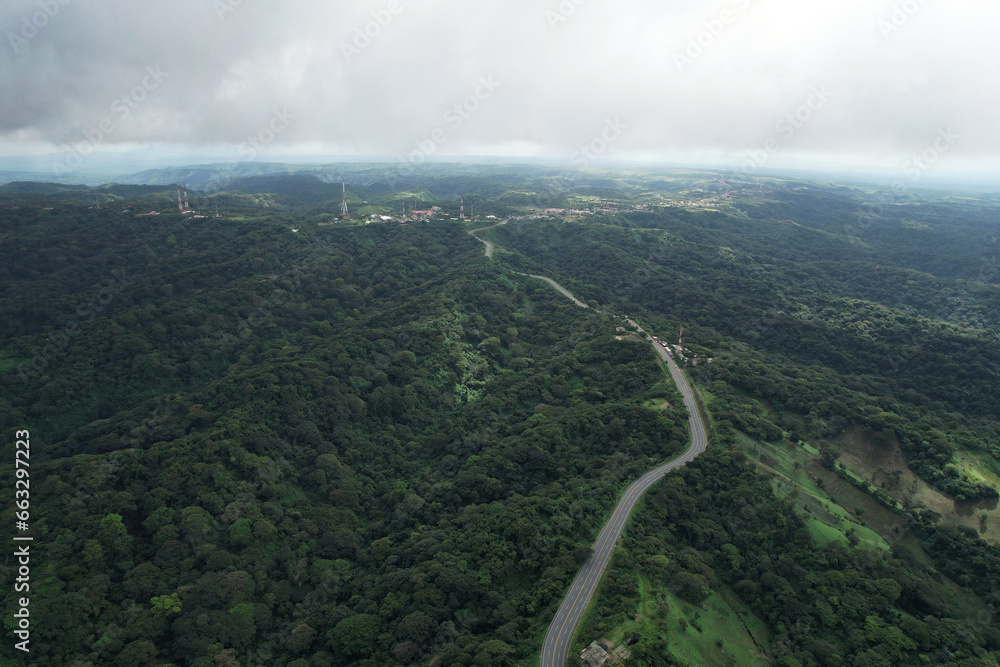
pixel 343 204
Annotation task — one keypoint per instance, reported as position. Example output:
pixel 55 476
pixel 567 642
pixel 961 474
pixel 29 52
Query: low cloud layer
pixel 859 80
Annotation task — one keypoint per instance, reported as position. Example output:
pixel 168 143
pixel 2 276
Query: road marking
pixel 616 524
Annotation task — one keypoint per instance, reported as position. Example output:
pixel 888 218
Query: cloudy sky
pixel 854 81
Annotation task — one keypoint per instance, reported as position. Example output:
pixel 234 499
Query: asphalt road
pixel 558 287
pixel 557 640
pixel 489 255
pixel 555 650
pixel 489 246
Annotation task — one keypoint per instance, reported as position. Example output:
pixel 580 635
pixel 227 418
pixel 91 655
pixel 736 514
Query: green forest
pixel 269 437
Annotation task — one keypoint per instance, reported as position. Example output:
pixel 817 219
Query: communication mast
pixel 187 209
pixel 180 206
pixel 343 204
pixel 680 341
pixel 461 208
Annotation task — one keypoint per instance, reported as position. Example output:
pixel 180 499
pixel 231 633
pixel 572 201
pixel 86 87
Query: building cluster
pixel 560 212
pixel 605 207
pixel 731 192
pixel 405 216
pixel 423 215
pixel 594 655
pixel 679 352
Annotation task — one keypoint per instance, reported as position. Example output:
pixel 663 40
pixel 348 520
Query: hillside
pixel 390 449
pixel 273 438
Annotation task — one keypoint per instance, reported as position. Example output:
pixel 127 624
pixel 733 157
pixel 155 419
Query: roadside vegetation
pixel 278 438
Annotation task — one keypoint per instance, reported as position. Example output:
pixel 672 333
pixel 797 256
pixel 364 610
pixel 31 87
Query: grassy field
pixel 719 632
pixel 884 466
pixel 661 403
pixel 836 510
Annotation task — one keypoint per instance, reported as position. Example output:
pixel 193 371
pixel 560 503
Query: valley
pixel 307 436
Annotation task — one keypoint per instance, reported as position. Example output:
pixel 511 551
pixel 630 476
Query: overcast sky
pixel 867 81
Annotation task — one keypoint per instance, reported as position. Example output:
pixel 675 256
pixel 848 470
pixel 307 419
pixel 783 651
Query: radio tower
pixel 343 204
pixel 187 209
pixel 180 206
pixel 461 208
pixel 680 341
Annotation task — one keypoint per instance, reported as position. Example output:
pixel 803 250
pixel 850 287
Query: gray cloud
pixel 688 78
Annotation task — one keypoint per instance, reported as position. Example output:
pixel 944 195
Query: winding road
pixel 555 649
pixel 560 634
pixel 489 246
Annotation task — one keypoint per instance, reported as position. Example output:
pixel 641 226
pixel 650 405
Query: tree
pixel 166 605
pixel 355 635
pixel 301 638
pixel 139 653
pixel 419 626
pixel 115 538
pixel 494 653
pixel 691 587
pixel 240 533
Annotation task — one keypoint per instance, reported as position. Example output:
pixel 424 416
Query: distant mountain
pixel 34 188
pixel 304 189
pixel 208 177
pixel 448 179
